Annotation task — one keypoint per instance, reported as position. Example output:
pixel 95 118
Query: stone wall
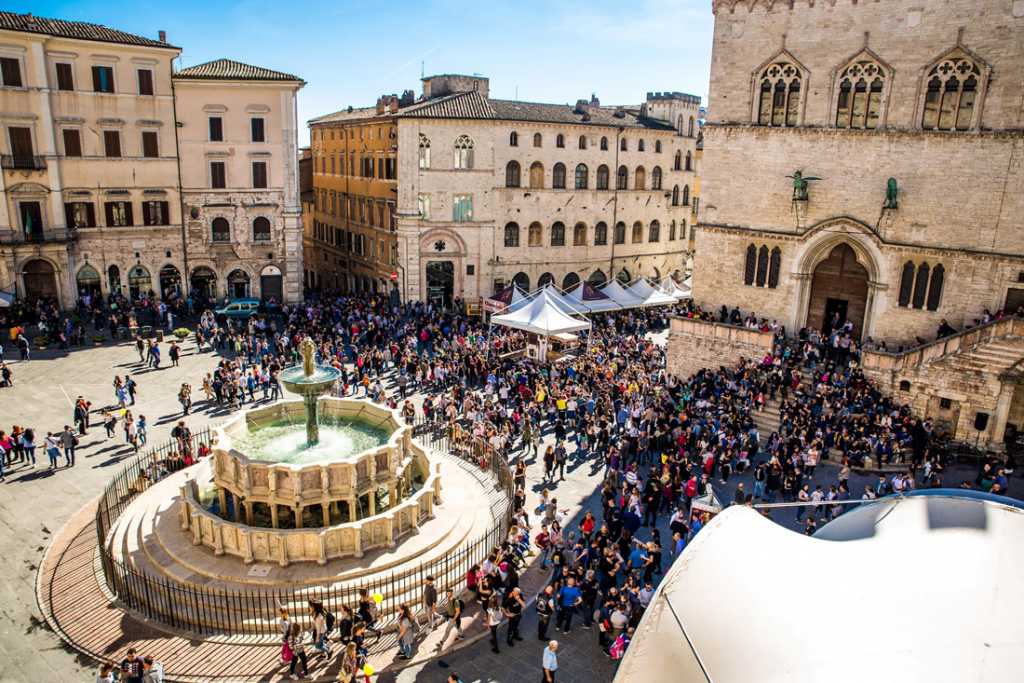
pixel 696 344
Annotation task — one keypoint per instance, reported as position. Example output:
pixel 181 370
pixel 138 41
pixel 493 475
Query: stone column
pixel 357 542
pixel 352 509
pixel 298 516
pixel 322 557
pixel 247 548
pixel 248 512
pixel 222 500
pixel 326 508
pixel 235 506
pixel 1008 385
pixel 389 531
pixel 371 501
pixel 273 514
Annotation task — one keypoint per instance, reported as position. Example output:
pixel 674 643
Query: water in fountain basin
pixel 285 441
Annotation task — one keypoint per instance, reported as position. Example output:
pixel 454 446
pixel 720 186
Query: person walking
pixel 493 617
pixel 53 443
pixel 549 662
pixel 131 387
pixel 406 633
pixel 295 644
pixel 68 440
pixel 174 353
pixel 429 600
pixel 568 599
pixel 81 415
pixel 453 610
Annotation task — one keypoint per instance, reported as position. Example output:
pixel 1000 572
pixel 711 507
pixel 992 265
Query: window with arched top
pixel 654 232
pixel 657 146
pixel 689 162
pixel 656 178
pixel 774 266
pixel 512 172
pixel 951 93
pixel 579 235
pixel 602 177
pixel 935 287
pixel 750 265
pixel 601 234
pixel 558 234
pixel 559 140
pixel 620 233
pixel 261 229
pixel 906 284
pixel 779 101
pixel 558 176
pixel 424 151
pixel 675 195
pixel 638 232
pixel 622 178
pixel 859 102
pixel 513 139
pixel 921 285
pixel 463 152
pixel 582 176
pixel 536 175
pixel 762 266
pixel 639 178
pixel 640 145
pixel 511 234
pixel 623 146
pixel 220 230
pixel 569 281
pixel 583 142
pixel 686 195
pixel 690 128
pixel 678 165
pixel 546 279
pixel 538 140
pixel 535 234
pixel 604 143
pixel 597 278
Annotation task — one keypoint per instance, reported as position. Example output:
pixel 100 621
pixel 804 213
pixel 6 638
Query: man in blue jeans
pixel 568 599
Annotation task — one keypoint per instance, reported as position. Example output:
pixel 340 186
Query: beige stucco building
pixel 904 117
pixel 488 191
pixel 240 180
pixel 91 195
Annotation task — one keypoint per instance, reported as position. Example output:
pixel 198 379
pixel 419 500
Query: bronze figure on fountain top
pixel 307 349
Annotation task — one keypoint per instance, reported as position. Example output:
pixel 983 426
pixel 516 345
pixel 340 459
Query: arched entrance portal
pixel 839 291
pixel 40 280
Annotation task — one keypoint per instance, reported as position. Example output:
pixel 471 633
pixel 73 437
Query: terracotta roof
pixel 230 70
pixel 472 105
pixel 77 30
pixel 348 114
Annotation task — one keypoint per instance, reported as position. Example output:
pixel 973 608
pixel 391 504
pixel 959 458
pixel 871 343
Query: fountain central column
pixel 308 350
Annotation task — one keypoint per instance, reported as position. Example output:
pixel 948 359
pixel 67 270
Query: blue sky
pixel 351 52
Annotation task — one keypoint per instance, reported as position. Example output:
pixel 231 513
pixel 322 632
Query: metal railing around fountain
pixel 207 610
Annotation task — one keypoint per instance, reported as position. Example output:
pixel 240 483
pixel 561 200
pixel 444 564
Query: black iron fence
pixel 208 610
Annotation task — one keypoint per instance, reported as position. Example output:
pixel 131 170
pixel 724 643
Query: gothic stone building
pixel 489 191
pixel 907 114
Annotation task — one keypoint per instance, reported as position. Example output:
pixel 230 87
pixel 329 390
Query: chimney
pixel 380 106
pixel 594 102
pixel 162 36
pixel 393 104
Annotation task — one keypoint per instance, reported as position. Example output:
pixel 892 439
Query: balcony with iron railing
pixel 20 162
pixel 36 236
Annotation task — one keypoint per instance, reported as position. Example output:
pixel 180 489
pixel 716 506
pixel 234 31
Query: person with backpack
pixel 545 609
pixel 453 611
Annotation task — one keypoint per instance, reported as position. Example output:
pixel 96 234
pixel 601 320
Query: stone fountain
pixel 309 381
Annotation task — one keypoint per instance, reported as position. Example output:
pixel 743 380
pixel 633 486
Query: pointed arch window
pixel 604 144
pixel 762 266
pixel 654 232
pixel 558 176
pixel 675 195
pixel 906 284
pixel 678 165
pixel 622 178
pixel 656 178
pixel 859 103
pixel 639 178
pixel 424 151
pixel 690 127
pixel 779 101
pixel 686 195
pixel 536 175
pixel 620 233
pixel 463 152
pixel 921 285
pixel 774 266
pixel 601 234
pixel 512 235
pixel 951 93
pixel 638 233
pixel 602 177
pixel 750 265
pixel 935 287
pixel 512 173
pixel 689 162
pixel 582 176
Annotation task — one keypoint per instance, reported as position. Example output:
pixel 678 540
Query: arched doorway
pixel 139 282
pixel 88 281
pixel 440 283
pixel 624 277
pixel 597 278
pixel 570 280
pixel 170 282
pixel 522 280
pixel 114 279
pixel 40 280
pixel 546 279
pixel 238 284
pixel 839 291
pixel 271 284
pixel 204 283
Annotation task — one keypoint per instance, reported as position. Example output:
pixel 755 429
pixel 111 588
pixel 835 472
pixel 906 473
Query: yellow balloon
pixel 367 670
pixel 378 598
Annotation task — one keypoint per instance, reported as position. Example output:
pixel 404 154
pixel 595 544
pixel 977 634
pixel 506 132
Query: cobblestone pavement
pixel 35 502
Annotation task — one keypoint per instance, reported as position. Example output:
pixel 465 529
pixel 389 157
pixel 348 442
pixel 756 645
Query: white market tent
pixel 541 316
pixel 617 293
pixel 918 588
pixel 672 288
pixel 584 295
pixel 558 299
pixel 650 296
pixel 506 298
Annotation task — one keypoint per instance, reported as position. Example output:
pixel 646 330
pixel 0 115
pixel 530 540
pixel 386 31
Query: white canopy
pixel 650 296
pixel 541 316
pixel 585 295
pixel 617 293
pixel 946 606
pixel 506 298
pixel 557 299
pixel 672 288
